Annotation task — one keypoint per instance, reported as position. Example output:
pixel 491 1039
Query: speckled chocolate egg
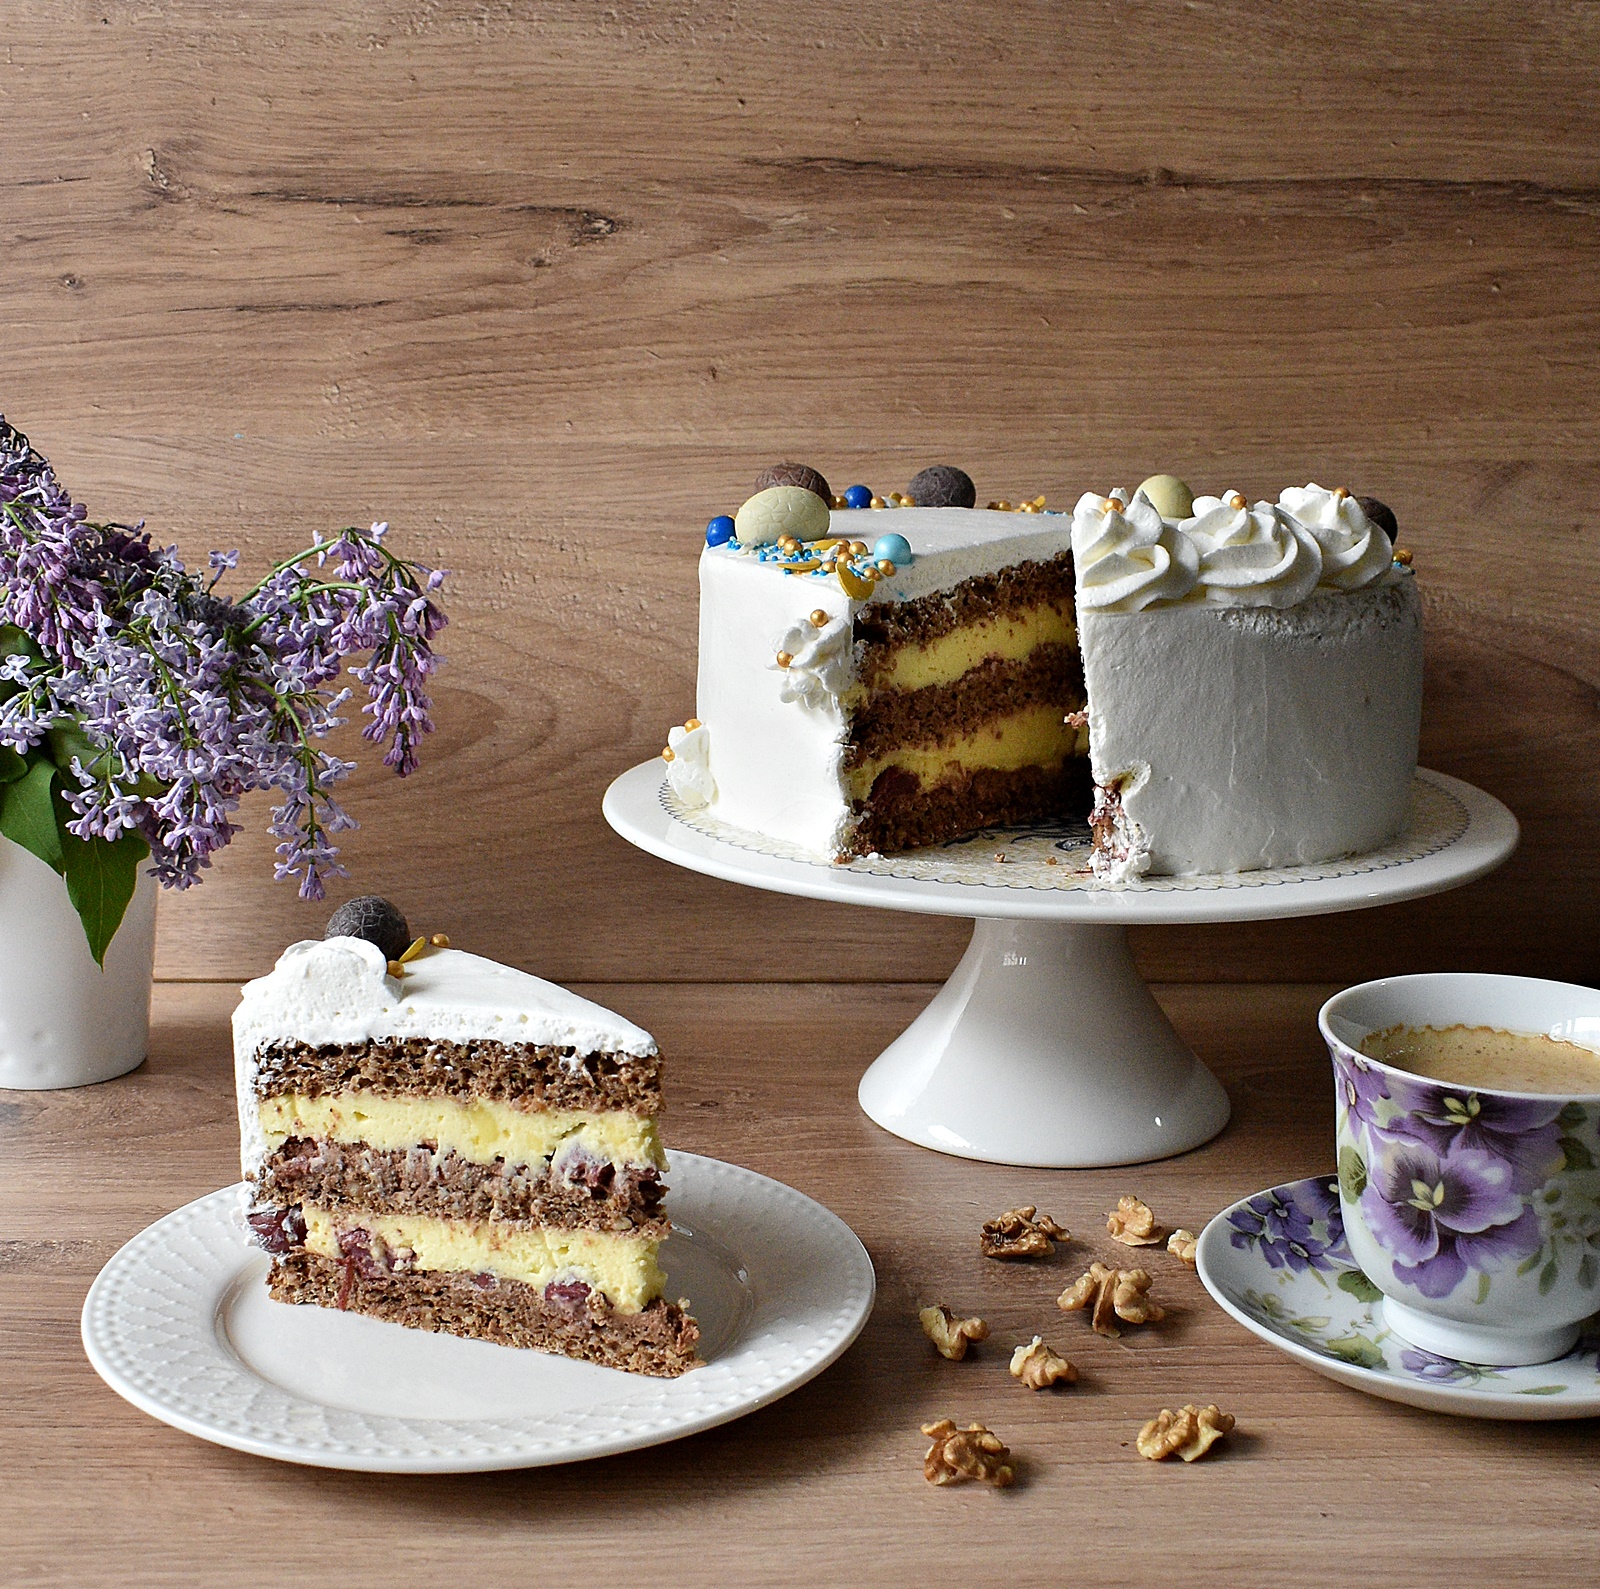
pixel 942 485
pixel 782 510
pixel 1381 514
pixel 794 474
pixel 1168 495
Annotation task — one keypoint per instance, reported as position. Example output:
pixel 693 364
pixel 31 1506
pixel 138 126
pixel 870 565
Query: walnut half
pixel 949 1333
pixel 970 1453
pixel 1189 1432
pixel 1038 1367
pixel 1112 1294
pixel 1181 1244
pixel 1132 1223
pixel 1018 1234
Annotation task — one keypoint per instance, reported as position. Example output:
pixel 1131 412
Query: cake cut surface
pixel 460 1147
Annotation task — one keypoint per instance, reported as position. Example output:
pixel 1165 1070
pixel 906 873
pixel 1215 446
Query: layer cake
pixel 454 1145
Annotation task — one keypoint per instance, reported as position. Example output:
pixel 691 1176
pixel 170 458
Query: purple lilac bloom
pixel 1440 1215
pixel 182 701
pixel 1284 1228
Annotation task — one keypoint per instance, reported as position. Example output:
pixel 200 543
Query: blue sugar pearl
pixel 719 530
pixel 893 549
pixel 858 497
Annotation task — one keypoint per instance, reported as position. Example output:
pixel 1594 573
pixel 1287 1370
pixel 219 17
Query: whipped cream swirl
pixel 1127 556
pixel 818 669
pixel 1354 550
pixel 1252 556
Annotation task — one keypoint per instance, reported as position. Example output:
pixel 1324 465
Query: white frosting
pixel 1246 737
pixel 777 733
pixel 1355 552
pixel 338 990
pixel 689 771
pixel 819 668
pixel 1127 558
pixel 1252 556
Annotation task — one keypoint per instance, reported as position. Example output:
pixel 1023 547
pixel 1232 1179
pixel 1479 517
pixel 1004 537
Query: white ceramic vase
pixel 65 1022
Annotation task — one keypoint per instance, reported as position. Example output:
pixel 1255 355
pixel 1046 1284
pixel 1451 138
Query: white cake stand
pixel 1045 1047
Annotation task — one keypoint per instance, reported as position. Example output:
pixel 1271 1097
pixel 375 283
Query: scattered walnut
pixel 1188 1433
pixel 1037 1366
pixel 949 1333
pixel 1181 1244
pixel 1133 1224
pixel 1017 1234
pixel 1111 1294
pixel 970 1453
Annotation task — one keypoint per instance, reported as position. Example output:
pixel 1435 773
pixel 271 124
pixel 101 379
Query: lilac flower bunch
pixel 138 705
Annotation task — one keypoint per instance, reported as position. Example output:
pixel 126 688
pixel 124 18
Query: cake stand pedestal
pixel 1045 1047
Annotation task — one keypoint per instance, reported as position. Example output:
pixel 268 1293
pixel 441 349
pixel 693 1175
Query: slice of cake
pixel 1245 680
pixel 432 1138
pixel 884 680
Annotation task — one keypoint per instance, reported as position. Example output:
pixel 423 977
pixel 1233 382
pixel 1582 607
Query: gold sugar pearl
pixel 876 502
pixel 1402 554
pixel 1003 506
pixel 818 618
pixel 692 724
pixel 858 548
pixel 1339 493
pixel 785 658
pixel 1030 507
pixel 1236 502
pixel 1114 505
pixel 668 755
pixel 396 969
pixel 440 940
pixel 837 502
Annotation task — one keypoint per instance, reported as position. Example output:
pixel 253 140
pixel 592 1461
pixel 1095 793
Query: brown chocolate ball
pixel 795 474
pixel 1381 514
pixel 374 919
pixel 942 485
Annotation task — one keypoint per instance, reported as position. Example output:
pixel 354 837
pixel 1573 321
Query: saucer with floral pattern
pixel 1279 1263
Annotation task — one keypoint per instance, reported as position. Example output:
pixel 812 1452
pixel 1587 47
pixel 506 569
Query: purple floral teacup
pixel 1475 1211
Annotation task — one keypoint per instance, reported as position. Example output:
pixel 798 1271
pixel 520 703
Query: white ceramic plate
pixel 1456 833
pixel 1279 1264
pixel 180 1324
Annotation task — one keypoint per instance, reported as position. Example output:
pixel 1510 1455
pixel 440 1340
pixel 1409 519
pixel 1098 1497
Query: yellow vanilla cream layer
pixel 1033 737
pixel 478 1129
pixel 624 1267
pixel 1009 636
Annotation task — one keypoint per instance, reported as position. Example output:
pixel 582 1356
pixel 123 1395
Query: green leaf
pixel 1542 1390
pixel 1547 1277
pixel 1311 1323
pixel 1574 1114
pixel 1483 1286
pixel 100 874
pixel 1352 1173
pixel 1357 1284
pixel 1578 1156
pixel 12 764
pixel 27 814
pixel 1530 1263
pixel 1587 1271
pixel 1356 1349
pixel 67 740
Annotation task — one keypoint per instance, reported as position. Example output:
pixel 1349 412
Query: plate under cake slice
pixel 454 1145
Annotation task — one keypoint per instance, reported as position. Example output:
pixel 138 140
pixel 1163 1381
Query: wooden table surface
pixel 1319 1484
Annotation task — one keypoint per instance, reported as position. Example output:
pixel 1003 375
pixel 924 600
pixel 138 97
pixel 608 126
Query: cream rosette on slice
pixel 1127 556
pixel 689 771
pixel 814 661
pixel 1252 556
pixel 1355 551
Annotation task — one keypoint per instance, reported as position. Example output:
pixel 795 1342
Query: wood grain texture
pixel 546 286
pixel 824 1487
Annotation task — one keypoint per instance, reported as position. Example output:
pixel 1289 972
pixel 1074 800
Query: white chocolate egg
pixel 1169 496
pixel 781 510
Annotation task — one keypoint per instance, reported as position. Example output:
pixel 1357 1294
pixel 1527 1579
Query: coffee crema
pixel 1485 1056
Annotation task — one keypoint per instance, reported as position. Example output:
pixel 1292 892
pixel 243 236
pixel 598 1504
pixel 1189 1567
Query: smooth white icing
pixel 1126 556
pixel 1249 737
pixel 338 990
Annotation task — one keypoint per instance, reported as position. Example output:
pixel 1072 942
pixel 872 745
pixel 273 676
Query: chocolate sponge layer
pixel 659 1340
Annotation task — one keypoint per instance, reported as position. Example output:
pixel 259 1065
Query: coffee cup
pixel 1474 1209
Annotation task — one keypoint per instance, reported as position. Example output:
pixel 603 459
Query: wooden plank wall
pixel 546 284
